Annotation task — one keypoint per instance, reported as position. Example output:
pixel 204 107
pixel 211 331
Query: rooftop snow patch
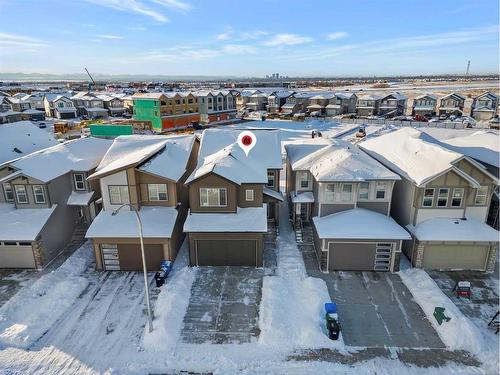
pixel 157 222
pixel 251 219
pixel 338 161
pixel 80 199
pixel 359 223
pixel 408 152
pixel 302 197
pixel 23 136
pixel 273 194
pixel 82 154
pixel 446 229
pixel 22 224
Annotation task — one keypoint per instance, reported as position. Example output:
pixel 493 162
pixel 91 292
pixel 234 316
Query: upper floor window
pixel 481 195
pixel 8 193
pixel 178 101
pixel 304 180
pixel 270 179
pixel 213 197
pixel 60 104
pixel 118 194
pixel 329 193
pixel 381 190
pixel 346 192
pixel 249 195
pixel 79 179
pixel 428 199
pixel 442 200
pixel 364 190
pixel 458 196
pixel 157 192
pixel 21 195
pixel 39 194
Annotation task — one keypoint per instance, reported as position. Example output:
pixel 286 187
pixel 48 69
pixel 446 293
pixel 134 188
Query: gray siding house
pixel 368 105
pixel 424 105
pixel 452 104
pixel 443 199
pixel 392 105
pixel 484 106
pixel 44 198
pixel 345 196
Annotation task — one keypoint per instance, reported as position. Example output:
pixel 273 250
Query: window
pixel 442 200
pixel 8 193
pixel 304 180
pixel 458 195
pixel 481 194
pixel 118 194
pixel 39 194
pixel 213 197
pixel 270 179
pixel 428 199
pixel 21 195
pixel 380 191
pixel 79 179
pixel 364 188
pixel 346 192
pixel 329 192
pixel 157 192
pixel 249 195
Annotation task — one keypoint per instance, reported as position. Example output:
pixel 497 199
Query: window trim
pixel 377 190
pixel 326 192
pixel 461 197
pixel 43 194
pixel 11 189
pixel 432 198
pixel 302 174
pixel 440 198
pixel 17 194
pixel 342 192
pixel 482 195
pixel 76 182
pixel 271 176
pixel 157 191
pixel 367 191
pixel 121 198
pixel 252 193
pixel 219 189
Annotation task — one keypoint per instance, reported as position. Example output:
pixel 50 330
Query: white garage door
pixel 16 255
pixel 455 257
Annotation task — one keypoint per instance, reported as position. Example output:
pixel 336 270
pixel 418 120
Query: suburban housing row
pixel 363 205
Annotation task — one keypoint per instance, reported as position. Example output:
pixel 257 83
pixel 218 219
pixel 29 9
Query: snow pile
pixel 171 306
pixel 36 307
pixel 459 332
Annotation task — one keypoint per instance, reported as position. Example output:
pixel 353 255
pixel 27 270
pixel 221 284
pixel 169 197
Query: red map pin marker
pixel 247 141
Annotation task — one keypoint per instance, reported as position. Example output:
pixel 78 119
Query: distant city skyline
pixel 228 38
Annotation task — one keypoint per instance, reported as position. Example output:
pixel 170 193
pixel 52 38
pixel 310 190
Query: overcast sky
pixel 249 38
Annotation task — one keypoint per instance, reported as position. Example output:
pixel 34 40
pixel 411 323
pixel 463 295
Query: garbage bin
pixel 160 278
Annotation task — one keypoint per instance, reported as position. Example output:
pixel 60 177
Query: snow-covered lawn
pixel 35 308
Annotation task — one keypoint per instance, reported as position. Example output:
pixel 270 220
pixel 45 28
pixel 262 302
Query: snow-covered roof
pixel 408 152
pixel 396 95
pixel 65 109
pixel 80 198
pixel 359 223
pixel 273 194
pixel 148 95
pixel 449 229
pixel 9 113
pixel 455 95
pixel 22 224
pixel 55 97
pixel 337 161
pixel 82 154
pixel 369 97
pixel 96 109
pixel 131 150
pixel 250 219
pixel 302 197
pixel 22 138
pixel 489 94
pixel 157 222
pixel 432 97
pixel 219 153
pixel 32 111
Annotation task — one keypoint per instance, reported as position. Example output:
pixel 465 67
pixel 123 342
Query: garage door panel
pixel 351 256
pixel 16 257
pixel 130 257
pixel 467 257
pixel 226 252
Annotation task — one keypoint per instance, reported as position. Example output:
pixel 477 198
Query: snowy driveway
pixel 224 305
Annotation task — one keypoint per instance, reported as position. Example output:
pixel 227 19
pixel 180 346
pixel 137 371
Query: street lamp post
pixel 139 222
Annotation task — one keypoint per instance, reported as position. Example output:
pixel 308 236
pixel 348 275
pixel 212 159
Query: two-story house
pixel 113 104
pixel 147 172
pixel 276 100
pixel 484 106
pixel 442 198
pixel 341 103
pixel 296 103
pixel 392 105
pixel 243 97
pixel 345 195
pixel 231 198
pixel 317 104
pixel 17 104
pixel 59 106
pixel 35 100
pixel 44 198
pixel 424 105
pixel 368 104
pixel 215 106
pixel 88 104
pixel 452 104
pixel 257 102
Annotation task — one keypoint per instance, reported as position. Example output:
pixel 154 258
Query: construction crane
pixel 468 68
pixel 93 82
